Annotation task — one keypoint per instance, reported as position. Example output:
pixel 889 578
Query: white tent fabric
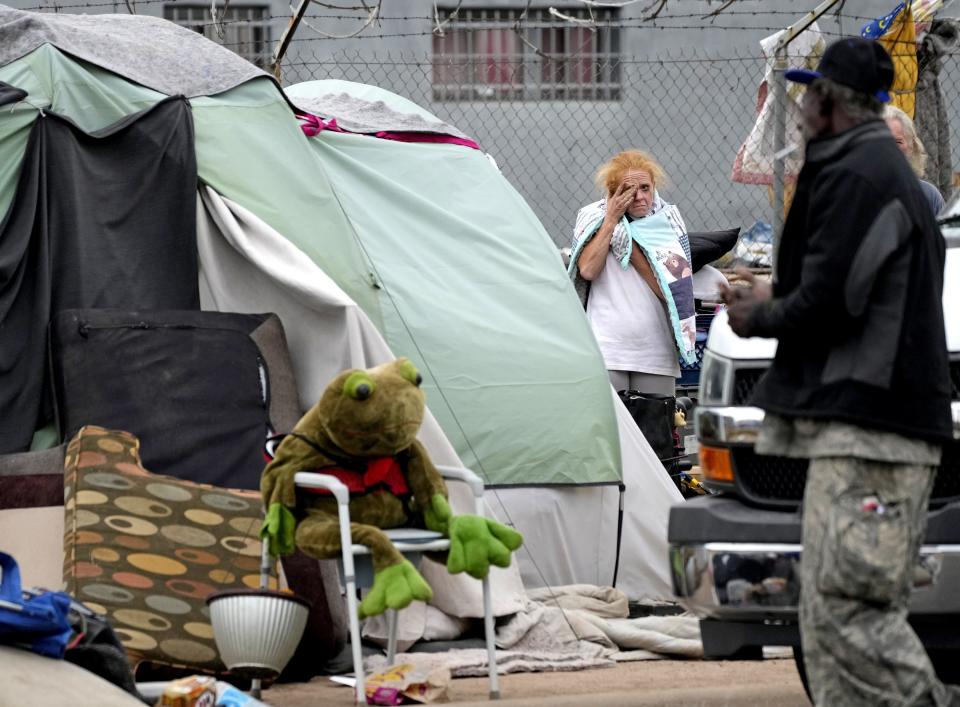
pixel 246 266
pixel 569 532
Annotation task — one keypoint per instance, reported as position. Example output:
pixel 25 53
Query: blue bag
pixel 38 622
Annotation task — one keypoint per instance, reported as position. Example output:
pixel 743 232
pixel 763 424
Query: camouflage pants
pixel 863 522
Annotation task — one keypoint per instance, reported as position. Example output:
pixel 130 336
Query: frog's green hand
pixel 395 587
pixel 437 516
pixel 477 542
pixel 277 484
pixel 278 530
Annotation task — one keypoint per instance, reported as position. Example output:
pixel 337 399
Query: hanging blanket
pixel 932 117
pixel 754 161
pixel 662 236
pixel 898 35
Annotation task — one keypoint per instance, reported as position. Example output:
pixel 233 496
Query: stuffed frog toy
pixel 363 431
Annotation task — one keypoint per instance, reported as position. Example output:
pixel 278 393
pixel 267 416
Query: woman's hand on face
pixel 617 203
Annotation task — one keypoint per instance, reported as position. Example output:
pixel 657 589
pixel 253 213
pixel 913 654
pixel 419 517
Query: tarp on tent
pixel 70 255
pixel 447 267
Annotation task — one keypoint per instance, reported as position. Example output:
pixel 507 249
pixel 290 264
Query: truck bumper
pixel 750 570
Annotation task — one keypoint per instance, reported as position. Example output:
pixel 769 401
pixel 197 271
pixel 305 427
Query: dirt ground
pixel 687 683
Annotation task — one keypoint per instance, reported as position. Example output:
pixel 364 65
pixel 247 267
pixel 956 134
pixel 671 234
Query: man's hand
pixel 742 301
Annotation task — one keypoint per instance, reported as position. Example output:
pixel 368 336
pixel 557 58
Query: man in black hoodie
pixel 860 384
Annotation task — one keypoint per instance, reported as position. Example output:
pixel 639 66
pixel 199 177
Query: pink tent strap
pixel 312 125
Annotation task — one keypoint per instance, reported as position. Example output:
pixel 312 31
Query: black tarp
pixel 10 94
pixel 106 219
pixel 190 385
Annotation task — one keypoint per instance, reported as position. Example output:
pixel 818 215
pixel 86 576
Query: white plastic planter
pixel 257 630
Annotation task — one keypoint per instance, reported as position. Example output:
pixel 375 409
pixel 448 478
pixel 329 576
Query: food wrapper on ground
pixel 194 691
pixel 407 683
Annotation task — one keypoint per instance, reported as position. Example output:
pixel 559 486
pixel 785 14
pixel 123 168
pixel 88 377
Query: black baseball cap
pixel 860 64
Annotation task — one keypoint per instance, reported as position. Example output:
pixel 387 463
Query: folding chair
pixel 410 542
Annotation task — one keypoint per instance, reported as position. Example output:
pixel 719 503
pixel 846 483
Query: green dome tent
pixel 366 248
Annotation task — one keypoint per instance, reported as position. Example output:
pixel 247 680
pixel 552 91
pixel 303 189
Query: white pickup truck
pixel 735 556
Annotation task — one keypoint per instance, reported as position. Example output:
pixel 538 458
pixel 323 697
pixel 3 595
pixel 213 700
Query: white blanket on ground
pixel 602 601
pixel 472 662
pixel 599 614
pixel 570 628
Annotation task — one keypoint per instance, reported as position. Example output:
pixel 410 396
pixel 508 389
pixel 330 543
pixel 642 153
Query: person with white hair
pixel 904 132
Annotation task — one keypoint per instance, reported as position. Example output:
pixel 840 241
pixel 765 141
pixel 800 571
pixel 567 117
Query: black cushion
pixel 707 246
pixel 193 386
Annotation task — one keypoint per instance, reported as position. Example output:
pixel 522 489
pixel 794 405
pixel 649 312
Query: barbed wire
pixel 394 35
pixel 57 6
pixel 694 111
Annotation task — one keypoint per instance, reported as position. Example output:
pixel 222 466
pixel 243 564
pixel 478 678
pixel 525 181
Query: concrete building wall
pixel 689 90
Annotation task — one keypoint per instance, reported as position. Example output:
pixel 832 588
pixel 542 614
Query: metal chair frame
pixel 427 542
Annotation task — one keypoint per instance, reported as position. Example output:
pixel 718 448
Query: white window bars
pixel 491 54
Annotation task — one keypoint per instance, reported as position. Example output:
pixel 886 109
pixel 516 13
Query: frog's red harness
pixel 378 472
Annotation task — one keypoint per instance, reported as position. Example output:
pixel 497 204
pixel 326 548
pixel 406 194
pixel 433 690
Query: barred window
pixel 483 55
pixel 246 28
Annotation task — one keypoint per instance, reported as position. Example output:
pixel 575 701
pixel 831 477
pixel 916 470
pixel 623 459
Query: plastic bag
pixel 407 682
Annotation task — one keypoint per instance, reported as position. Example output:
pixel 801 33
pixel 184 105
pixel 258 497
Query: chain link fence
pixel 550 124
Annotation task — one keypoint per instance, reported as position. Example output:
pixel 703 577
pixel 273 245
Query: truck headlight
pixel 716 380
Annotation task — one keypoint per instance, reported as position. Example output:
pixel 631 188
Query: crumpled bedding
pixel 573 627
pixel 472 663
pixel 754 161
pixel 600 615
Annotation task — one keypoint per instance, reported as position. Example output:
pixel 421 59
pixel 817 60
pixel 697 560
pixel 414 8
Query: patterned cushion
pixel 146 550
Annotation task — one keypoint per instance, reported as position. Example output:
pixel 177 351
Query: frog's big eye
pixel 410 373
pixel 359 386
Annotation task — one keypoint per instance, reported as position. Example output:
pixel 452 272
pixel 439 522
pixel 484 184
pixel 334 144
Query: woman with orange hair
pixel 628 304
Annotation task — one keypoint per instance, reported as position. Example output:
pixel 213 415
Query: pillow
pixel 146 550
pixel 707 246
pixel 199 389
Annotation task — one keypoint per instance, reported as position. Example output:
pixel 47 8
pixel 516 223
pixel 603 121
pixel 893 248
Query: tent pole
pixel 616 564
pixel 287 36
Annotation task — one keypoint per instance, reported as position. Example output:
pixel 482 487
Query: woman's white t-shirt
pixel 630 323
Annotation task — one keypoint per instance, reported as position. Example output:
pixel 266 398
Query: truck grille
pixel 774 481
pixel 779 481
pixel 744 381
pixel 946 487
